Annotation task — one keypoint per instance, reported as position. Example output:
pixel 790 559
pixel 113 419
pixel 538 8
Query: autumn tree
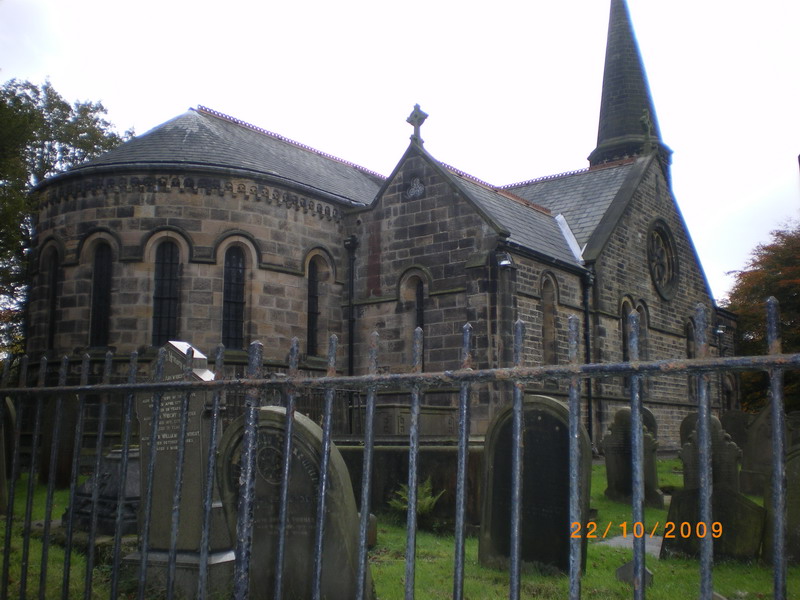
pixel 41 134
pixel 773 270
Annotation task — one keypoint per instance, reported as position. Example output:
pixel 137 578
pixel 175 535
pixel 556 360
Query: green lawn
pixel 673 578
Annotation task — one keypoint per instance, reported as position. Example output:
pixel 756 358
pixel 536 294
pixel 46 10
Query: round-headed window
pixel 662 258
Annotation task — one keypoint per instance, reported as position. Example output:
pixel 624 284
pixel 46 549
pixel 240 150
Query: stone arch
pixel 413 296
pixel 319 270
pixel 549 308
pixel 243 238
pixel 88 242
pixel 236 300
pixel 152 239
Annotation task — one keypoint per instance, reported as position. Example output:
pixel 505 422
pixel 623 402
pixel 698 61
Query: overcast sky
pixel 512 88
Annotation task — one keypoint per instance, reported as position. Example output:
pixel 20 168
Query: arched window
pixel 233 299
pixel 412 298
pixel 166 293
pixel 52 275
pixel 643 333
pixel 312 326
pixel 101 296
pixel 549 347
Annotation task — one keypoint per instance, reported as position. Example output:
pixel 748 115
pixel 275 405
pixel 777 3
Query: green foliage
pixel 773 270
pixel 426 499
pixel 41 134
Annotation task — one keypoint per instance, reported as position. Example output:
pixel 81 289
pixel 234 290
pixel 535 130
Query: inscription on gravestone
pixel 545 522
pixel 195 466
pixel 340 544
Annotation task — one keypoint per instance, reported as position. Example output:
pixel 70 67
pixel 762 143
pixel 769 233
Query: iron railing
pixel 256 388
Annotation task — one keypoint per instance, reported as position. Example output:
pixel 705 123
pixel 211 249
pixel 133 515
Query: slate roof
pixel 529 226
pixel 583 197
pixel 206 139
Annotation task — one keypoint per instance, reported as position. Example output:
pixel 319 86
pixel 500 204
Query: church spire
pixel 628 124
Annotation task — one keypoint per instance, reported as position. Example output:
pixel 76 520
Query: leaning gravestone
pixel 545 523
pixel 619 473
pixel 757 453
pixel 197 440
pixel 792 510
pixel 340 544
pixel 740 519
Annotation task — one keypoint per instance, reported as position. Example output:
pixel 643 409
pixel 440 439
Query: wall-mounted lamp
pixel 504 260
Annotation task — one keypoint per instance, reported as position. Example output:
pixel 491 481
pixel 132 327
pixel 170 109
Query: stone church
pixel 211 230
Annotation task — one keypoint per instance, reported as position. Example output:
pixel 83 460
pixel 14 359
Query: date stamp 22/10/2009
pixel 668 529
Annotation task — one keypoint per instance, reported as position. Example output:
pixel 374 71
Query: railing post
pixel 463 461
pixel 637 460
pixel 704 456
pixel 413 454
pixel 575 475
pixel 778 454
pixel 517 446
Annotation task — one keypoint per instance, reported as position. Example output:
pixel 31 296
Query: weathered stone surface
pixel 109 483
pixel 545 520
pixel 735 423
pixel 757 454
pixel 619 472
pixel 792 510
pixel 742 525
pixel 166 447
pixel 625 574
pixel 340 545
pixel 725 457
pixel 197 439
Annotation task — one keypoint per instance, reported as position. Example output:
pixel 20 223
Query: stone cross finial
pixel 417 118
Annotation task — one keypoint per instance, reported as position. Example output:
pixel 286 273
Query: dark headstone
pixel 792 510
pixel 625 574
pixel 340 544
pixel 757 457
pixel 6 451
pixel 687 427
pixel 109 482
pixel 725 457
pixel 194 479
pixel 742 520
pixel 736 422
pixel 649 421
pixel 793 423
pixel 545 523
pixel 742 523
pixel 617 450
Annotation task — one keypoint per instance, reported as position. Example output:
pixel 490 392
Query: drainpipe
pixel 351 244
pixel 588 282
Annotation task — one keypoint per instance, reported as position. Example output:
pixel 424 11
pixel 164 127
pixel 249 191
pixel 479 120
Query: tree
pixel 41 134
pixel 773 270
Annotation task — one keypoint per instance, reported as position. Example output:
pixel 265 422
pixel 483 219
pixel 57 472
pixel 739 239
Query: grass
pixel 673 578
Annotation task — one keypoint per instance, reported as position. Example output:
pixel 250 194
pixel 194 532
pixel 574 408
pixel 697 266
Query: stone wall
pixel 279 230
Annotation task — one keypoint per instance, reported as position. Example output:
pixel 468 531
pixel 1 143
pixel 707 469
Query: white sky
pixel 512 89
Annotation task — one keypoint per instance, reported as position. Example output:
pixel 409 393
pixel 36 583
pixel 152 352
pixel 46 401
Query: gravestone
pixel 649 421
pixel 197 439
pixel 340 543
pixel 545 522
pixel 109 483
pixel 687 427
pixel 741 520
pixel 793 424
pixel 757 454
pixel 735 423
pixel 619 472
pixel 792 510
